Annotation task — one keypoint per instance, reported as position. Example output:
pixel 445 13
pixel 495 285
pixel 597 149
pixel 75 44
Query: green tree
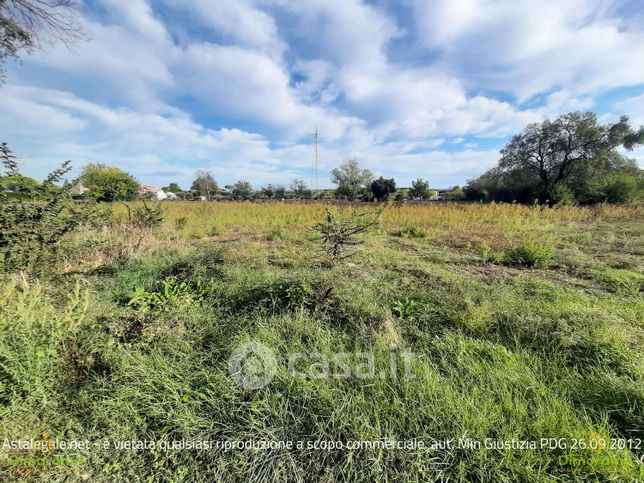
pixel 420 189
pixel 108 183
pixel 299 188
pixel 382 188
pixel 172 188
pixel 271 191
pixel 455 194
pixel 242 190
pixel 205 184
pixel 351 179
pixel 555 150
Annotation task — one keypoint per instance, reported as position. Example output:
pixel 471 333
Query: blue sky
pixel 409 88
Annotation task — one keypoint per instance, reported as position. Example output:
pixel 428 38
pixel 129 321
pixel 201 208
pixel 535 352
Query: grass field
pixel 127 337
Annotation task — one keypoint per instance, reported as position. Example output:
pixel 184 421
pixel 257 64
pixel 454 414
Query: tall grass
pixel 503 351
pixel 199 218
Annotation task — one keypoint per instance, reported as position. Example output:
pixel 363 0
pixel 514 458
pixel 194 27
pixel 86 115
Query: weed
pixel 529 253
pixel 413 232
pixel 338 231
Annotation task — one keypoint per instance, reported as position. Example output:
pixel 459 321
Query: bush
pixel 146 216
pixel 108 183
pixel 31 229
pixel 413 232
pixel 529 253
pixel 338 230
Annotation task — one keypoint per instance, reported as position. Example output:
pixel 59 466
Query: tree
pixel 25 24
pixel 108 183
pixel 554 150
pixel 172 188
pixel 280 192
pixel 242 190
pixel 455 194
pixel 267 191
pixel 299 188
pixel 420 189
pixel 205 184
pixel 351 179
pixel 382 188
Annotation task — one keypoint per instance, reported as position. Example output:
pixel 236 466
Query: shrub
pixel 31 229
pixel 145 216
pixel 529 253
pixel 413 232
pixel 338 230
pixel 484 252
pixel 108 183
pixel 170 295
pixel 180 223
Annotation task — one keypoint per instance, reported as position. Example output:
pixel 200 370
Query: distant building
pixel 150 192
pixel 78 190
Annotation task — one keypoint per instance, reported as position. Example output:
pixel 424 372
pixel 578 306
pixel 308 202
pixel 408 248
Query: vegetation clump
pixel 529 253
pixel 338 230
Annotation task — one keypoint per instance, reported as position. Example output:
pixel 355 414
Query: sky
pixel 409 88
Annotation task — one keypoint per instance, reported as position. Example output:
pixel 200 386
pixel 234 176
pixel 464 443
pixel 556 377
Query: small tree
pixel 420 189
pixel 299 188
pixel 172 188
pixel 382 188
pixel 351 179
pixel 455 194
pixel 268 191
pixel 242 190
pixel 108 183
pixel 205 184
pixel 338 231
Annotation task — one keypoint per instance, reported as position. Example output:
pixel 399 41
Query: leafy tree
pixel 267 191
pixel 205 184
pixel 455 194
pixel 299 188
pixel 350 179
pixel 555 150
pixel 108 183
pixel 25 24
pixel 271 191
pixel 420 189
pixel 242 190
pixel 172 188
pixel 382 188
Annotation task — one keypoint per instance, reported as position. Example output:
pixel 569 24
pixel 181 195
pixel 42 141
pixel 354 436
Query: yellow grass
pixel 215 218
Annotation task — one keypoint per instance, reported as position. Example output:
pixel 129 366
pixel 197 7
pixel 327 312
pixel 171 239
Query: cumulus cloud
pixel 238 85
pixel 534 46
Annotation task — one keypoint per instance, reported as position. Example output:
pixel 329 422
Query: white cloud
pixel 534 46
pixel 144 91
pixel 238 21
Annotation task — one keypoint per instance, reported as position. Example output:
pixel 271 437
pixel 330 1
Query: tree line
pixel 573 159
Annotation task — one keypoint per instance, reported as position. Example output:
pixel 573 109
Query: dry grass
pixel 200 219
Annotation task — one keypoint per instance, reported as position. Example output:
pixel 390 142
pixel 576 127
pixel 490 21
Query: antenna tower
pixel 316 137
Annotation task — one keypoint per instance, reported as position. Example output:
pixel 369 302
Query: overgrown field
pixel 524 323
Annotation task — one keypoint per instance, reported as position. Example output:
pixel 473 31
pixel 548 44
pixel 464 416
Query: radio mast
pixel 315 159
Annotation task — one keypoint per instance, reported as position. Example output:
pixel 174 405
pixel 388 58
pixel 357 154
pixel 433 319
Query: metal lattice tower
pixel 316 137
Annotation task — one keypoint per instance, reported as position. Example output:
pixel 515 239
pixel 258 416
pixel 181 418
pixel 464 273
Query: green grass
pixel 502 351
